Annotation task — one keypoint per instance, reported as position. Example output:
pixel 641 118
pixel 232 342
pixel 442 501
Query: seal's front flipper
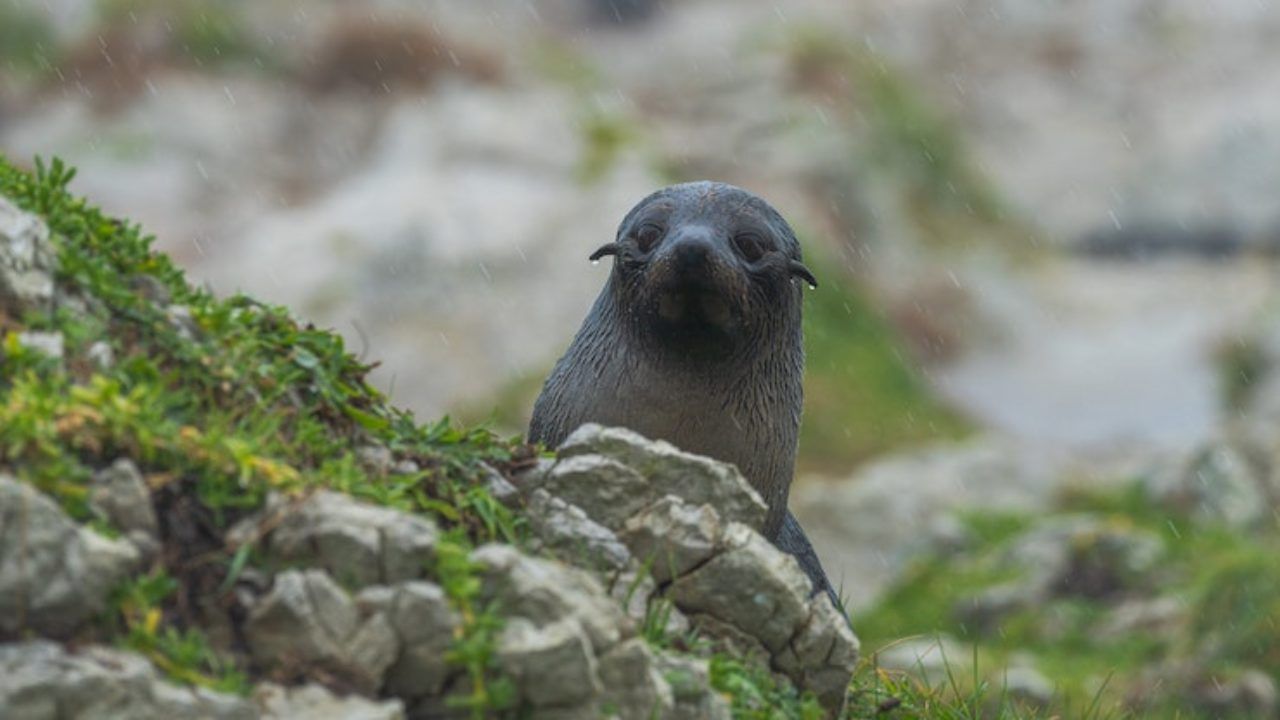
pixel 792 540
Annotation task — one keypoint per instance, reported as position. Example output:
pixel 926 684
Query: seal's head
pixel 704 270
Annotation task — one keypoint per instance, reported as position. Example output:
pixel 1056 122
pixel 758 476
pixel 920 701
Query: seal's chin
pixel 693 325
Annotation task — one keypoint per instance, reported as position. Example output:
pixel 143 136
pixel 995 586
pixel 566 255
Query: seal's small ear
pixel 606 249
pixel 798 269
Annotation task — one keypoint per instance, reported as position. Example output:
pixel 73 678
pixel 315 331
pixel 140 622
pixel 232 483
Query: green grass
pixel 1228 579
pixel 967 692
pixel 184 654
pixel 757 695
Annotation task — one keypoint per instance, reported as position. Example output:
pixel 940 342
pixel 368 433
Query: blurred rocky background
pixel 1041 420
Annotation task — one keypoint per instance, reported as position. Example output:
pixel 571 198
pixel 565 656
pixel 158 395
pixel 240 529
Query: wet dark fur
pixel 693 343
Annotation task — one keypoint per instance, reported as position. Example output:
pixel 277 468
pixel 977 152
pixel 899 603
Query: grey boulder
pixel 54 574
pixel 27 261
pixel 357 542
pixel 667 471
pixel 424 622
pixel 307 621
pixel 120 496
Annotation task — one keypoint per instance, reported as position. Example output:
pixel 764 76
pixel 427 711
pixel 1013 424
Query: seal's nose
pixel 691 248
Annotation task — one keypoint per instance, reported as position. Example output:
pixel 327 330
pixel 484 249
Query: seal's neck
pixel 744 409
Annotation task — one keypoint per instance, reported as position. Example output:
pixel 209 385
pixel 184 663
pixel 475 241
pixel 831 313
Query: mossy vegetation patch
pixel 1222 582
pixel 219 402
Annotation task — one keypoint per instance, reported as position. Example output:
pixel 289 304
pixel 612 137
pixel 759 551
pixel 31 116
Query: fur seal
pixel 696 339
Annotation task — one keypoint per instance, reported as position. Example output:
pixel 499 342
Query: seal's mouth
pixel 695 305
pixel 692 298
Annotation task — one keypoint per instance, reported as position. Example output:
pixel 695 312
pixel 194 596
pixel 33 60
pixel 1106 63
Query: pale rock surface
pixel 121 496
pixel 668 470
pixel 307 620
pixel 424 623
pixel 27 261
pixel 54 574
pixel 314 702
pixel 566 529
pixel 41 680
pixel 355 541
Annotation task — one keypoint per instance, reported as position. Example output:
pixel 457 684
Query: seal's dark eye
pixel 647 235
pixel 752 246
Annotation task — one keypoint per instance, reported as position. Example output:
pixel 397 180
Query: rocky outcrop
pixel 691 524
pixel 314 702
pixel 629 519
pixel 424 624
pixel 350 603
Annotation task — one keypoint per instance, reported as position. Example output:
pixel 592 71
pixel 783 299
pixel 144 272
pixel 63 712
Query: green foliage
pixel 184 655
pixel 204 33
pixel 862 395
pixel 757 695
pixel 221 401
pixel 26 38
pixel 1228 577
pixel 474 649
pixel 908 138
pixel 1242 366
pixel 963 694
pixel 605 136
pixel 994 528
pixel 966 694
pixel 1236 609
pixel 656 616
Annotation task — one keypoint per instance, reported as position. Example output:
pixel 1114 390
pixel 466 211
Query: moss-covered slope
pixel 219 402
